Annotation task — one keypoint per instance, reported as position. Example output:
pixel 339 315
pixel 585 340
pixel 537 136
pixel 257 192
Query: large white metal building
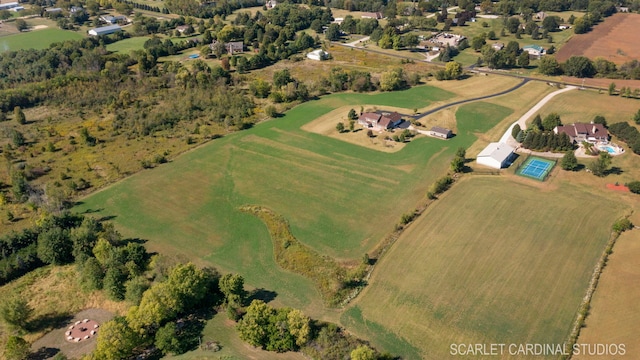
pixel 495 155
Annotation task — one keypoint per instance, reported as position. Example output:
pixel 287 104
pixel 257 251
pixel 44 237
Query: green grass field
pixel 340 199
pixel 128 45
pixel 37 39
pixel 493 261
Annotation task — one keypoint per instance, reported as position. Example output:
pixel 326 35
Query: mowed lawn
pixel 37 39
pixel 493 261
pixel 340 199
pixel 128 45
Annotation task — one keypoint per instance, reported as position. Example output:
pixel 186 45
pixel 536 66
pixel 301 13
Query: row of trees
pixel 628 134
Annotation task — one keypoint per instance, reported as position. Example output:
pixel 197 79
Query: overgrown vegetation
pixel 333 280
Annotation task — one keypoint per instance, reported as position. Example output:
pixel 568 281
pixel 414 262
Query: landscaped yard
pixel 493 261
pixel 36 39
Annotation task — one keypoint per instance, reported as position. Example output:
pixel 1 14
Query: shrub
pixel 622 225
pixel 634 187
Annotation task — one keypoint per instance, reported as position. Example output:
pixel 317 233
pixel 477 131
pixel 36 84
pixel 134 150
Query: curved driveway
pixel 429 112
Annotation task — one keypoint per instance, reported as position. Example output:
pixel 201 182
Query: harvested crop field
pixel 615 39
pixel 492 261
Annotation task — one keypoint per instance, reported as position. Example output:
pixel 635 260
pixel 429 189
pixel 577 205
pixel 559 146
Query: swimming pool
pixel 608 149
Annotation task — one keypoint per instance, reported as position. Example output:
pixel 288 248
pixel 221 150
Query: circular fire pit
pixel 82 330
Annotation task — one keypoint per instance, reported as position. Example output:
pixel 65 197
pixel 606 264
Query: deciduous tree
pixel 15 311
pixel 16 348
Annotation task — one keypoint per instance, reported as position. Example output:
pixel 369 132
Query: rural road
pixel 441 107
pixel 448 9
pixel 353 44
pixel 523 119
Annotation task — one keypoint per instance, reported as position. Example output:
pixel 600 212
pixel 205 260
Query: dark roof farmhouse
pixel 380 120
pixel 580 132
pixel 231 47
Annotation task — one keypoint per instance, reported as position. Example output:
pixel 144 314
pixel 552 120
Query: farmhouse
pixel 534 50
pixel 231 47
pixel 439 132
pixel 105 30
pixel 497 46
pixel 495 155
pixel 318 55
pixel 372 15
pixel 580 132
pixel 9 5
pixel 380 120
pixel 109 19
pixel 182 28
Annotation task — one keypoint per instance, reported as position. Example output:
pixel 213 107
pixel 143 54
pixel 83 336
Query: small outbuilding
pixel 439 132
pixel 318 55
pixel 105 30
pixel 9 5
pixel 495 155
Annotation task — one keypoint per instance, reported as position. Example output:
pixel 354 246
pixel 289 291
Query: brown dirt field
pixel 617 187
pixel 615 310
pixel 602 83
pixel 616 39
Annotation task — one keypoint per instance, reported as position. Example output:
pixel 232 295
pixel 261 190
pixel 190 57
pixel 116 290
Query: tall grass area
pixel 340 199
pixel 493 261
pixel 37 39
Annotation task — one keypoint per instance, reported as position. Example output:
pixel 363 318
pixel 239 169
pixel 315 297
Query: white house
pixel 318 55
pixel 495 155
pixel 534 50
pixel 105 30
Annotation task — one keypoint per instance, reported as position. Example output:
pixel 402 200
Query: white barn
pixel 105 30
pixel 495 155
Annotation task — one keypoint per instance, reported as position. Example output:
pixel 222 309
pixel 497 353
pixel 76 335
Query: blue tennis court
pixel 536 168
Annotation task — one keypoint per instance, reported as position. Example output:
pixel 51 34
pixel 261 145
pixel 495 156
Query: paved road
pixel 441 107
pixel 523 119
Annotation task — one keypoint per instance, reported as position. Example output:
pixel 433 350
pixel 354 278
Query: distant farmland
pixel 616 39
pixel 37 39
pixel 493 261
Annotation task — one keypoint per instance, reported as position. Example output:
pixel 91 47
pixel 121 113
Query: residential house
pixel 497 46
pixel 110 19
pixel 380 120
pixel 439 132
pixel 534 50
pixel 371 15
pixel 182 28
pixel 232 47
pixel 580 132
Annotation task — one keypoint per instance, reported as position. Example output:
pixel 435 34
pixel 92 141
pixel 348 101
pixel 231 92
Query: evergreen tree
pixel 569 161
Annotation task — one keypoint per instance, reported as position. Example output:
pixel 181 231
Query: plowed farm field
pixel 616 39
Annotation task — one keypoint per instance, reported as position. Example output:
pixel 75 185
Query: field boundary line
pixel 583 309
